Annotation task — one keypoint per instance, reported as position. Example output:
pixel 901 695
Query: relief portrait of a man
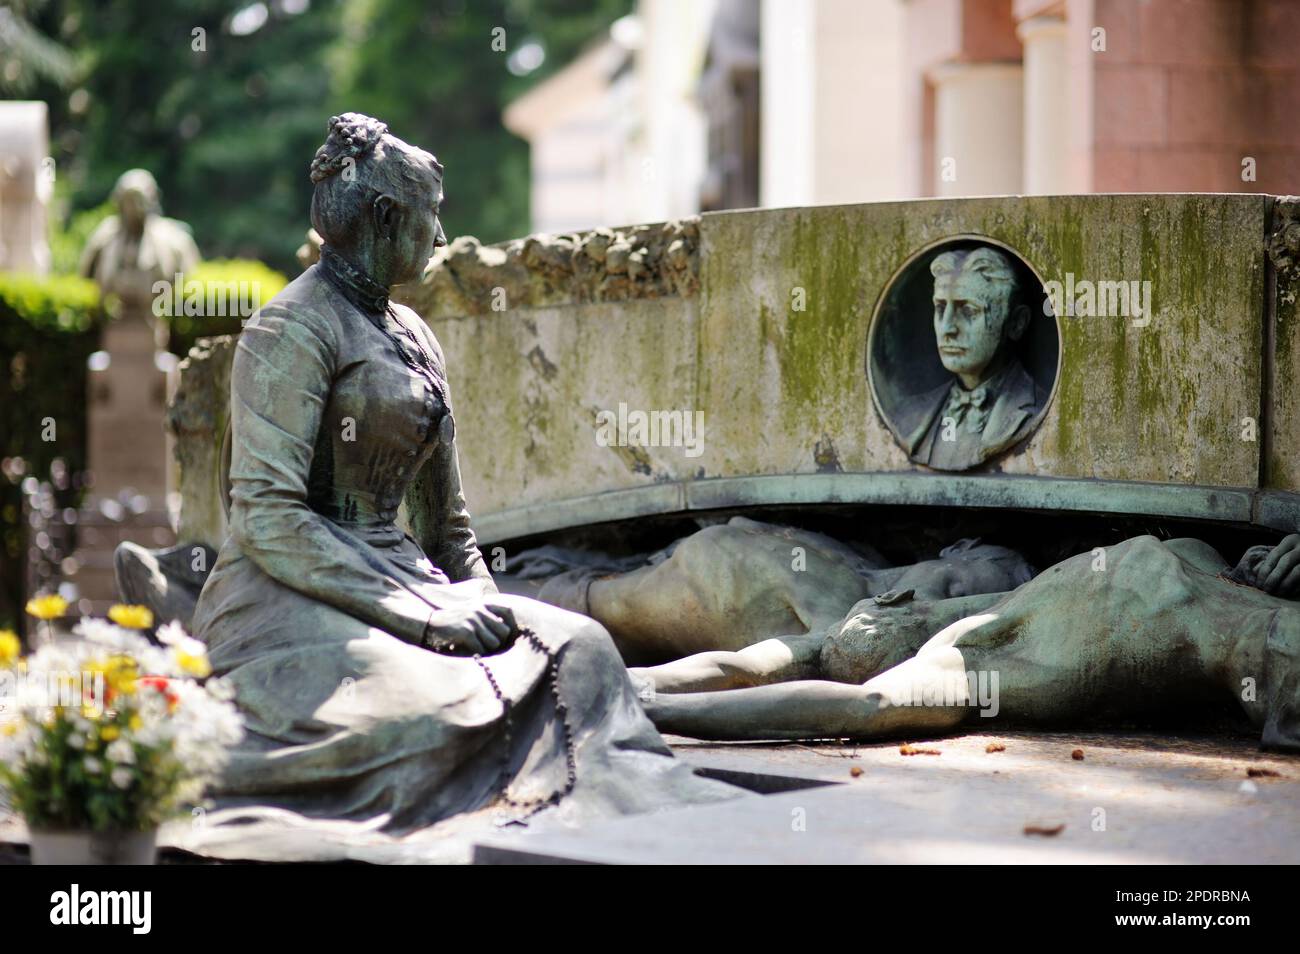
pixel 990 401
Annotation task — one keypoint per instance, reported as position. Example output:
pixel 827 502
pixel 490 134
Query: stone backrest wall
pixel 1144 419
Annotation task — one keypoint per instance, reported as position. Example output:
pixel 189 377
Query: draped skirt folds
pixel 361 745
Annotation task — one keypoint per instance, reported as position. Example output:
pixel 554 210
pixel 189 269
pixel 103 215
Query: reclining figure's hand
pixel 1279 572
pixel 478 629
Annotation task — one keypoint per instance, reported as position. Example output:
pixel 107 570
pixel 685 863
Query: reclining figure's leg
pixel 773 660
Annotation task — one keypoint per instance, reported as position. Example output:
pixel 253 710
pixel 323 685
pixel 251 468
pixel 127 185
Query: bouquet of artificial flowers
pixel 108 732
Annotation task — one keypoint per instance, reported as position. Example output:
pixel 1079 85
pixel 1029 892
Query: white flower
pixel 14 748
pixel 100 631
pixel 92 765
pixel 121 751
pixel 152 705
pixel 173 634
pixel 122 777
pixel 77 740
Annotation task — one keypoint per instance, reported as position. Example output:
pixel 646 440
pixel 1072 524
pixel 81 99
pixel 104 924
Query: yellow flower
pixel 9 728
pixel 132 617
pixel 196 665
pixel 49 606
pixel 120 674
pixel 109 733
pixel 10 647
pixel 135 722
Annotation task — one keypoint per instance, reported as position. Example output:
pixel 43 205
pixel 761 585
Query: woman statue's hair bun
pixel 351 136
pixel 371 161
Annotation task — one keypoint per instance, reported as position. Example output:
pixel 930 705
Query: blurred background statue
pixel 135 257
pixel 130 251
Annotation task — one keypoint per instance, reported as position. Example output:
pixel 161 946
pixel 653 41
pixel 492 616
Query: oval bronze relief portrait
pixel 963 353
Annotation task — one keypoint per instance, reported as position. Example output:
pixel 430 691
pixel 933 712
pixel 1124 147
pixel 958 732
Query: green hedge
pixel 242 281
pixel 49 326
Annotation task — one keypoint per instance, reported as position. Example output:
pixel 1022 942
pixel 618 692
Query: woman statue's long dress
pixel 349 642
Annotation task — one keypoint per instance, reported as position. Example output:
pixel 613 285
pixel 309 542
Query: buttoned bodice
pixel 384 415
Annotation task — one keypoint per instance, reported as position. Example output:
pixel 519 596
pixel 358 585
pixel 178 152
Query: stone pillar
pixel 978 143
pixel 787 79
pixel 833 100
pixel 127 450
pixel 1046 126
pixel 128 398
pixel 26 183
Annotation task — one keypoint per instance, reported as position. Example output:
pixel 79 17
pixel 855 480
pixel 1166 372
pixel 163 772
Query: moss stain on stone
pixel 1073 398
pixel 819 351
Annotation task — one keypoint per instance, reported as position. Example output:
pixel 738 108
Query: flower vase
pixel 94 847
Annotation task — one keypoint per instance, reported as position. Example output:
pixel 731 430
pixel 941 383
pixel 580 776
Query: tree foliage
pixel 226 101
pixel 450 98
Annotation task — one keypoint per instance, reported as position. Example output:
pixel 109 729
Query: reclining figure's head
pixel 966 568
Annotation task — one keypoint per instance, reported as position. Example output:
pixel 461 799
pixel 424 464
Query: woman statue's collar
pixel 356 286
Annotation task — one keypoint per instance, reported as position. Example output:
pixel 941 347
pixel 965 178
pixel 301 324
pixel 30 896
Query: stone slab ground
pixel 1134 798
pixel 1186 799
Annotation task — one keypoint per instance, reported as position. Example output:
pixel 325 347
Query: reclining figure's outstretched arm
pixel 928 693
pixel 873 637
pixel 773 660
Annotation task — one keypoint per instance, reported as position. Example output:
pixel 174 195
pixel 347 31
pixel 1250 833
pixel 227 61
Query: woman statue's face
pixel 422 233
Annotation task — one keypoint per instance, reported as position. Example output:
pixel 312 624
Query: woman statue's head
pixel 376 199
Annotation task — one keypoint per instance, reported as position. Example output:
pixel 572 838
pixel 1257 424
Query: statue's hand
pixel 470 630
pixel 1279 572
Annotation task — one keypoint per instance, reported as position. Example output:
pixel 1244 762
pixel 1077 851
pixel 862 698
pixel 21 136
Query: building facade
pixel 691 106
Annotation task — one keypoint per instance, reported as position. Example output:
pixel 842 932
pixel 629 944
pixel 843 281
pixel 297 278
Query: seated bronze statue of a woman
pixel 384 681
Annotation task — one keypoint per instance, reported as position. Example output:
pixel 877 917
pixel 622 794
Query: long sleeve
pixel 440 520
pixel 435 502
pixel 281 380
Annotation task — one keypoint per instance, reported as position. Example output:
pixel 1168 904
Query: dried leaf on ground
pixel 1045 831
pixel 907 748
